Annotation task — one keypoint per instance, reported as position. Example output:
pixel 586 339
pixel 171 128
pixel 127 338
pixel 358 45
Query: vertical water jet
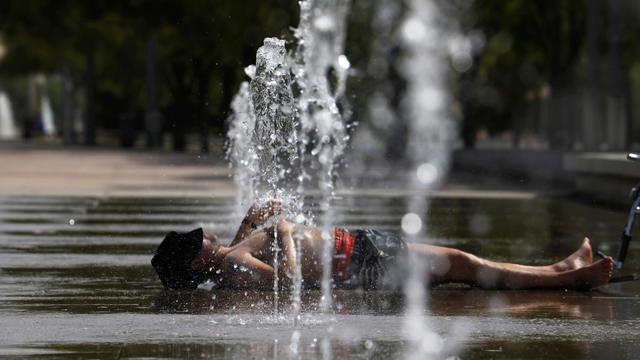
pixel 278 141
pixel 274 134
pixel 321 35
pixel 430 135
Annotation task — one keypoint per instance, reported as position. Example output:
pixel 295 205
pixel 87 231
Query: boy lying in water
pixel 362 258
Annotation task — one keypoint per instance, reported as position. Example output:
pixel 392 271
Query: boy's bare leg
pixel 580 258
pixel 451 265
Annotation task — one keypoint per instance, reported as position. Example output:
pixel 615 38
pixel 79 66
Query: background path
pixel 42 170
pixel 95 172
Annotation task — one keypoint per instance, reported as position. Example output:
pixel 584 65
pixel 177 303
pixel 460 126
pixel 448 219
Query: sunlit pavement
pixel 82 171
pixel 35 170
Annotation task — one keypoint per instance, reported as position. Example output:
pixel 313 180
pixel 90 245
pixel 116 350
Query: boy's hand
pixel 258 215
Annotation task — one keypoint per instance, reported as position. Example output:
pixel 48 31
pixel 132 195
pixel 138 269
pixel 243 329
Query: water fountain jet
pixel 316 126
pixel 292 137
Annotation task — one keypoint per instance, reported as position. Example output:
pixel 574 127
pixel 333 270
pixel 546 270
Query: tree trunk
pixel 228 91
pixel 178 127
pixel 616 109
pixel 89 116
pixel 559 130
pixel 68 130
pixel 180 116
pixel 202 104
pixel 592 116
pixel 181 112
pixel 467 96
pixel 152 115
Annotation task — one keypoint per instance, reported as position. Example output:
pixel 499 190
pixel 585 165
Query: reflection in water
pixel 346 302
pixel 487 349
pixel 525 304
pixel 443 302
pixel 319 348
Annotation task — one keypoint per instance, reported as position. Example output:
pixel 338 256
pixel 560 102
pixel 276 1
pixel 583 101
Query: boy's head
pixel 173 259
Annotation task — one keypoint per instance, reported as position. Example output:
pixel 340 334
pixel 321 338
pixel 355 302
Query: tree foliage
pixel 203 46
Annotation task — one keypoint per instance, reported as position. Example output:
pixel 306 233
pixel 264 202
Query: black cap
pixel 173 258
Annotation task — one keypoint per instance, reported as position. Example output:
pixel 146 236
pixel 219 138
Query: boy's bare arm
pixel 243 270
pixel 243 231
pixel 256 216
pixel 287 268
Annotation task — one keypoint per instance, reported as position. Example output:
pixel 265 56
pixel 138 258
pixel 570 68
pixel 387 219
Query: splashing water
pixel 240 151
pixel 274 134
pixel 280 139
pixel 321 35
pixel 276 139
pixel 431 132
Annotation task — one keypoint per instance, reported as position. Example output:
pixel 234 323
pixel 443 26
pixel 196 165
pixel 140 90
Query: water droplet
pixel 300 219
pixel 427 173
pixel 432 98
pixel 479 224
pixel 462 62
pixel 324 23
pixel 414 31
pixel 411 223
pixel 250 71
pixel 72 222
pixel 343 62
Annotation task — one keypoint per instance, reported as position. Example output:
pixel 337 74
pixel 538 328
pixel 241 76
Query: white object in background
pixel 48 125
pixel 8 128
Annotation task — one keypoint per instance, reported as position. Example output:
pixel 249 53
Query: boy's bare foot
pixel 594 275
pixel 580 258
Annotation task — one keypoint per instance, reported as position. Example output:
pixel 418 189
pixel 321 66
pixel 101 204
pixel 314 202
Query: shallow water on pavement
pixel 75 281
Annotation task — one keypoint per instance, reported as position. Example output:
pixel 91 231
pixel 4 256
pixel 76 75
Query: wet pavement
pixel 75 282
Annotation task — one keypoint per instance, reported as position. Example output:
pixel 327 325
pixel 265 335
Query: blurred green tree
pixel 202 47
pixel 530 44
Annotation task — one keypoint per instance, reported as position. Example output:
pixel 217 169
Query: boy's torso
pixel 261 244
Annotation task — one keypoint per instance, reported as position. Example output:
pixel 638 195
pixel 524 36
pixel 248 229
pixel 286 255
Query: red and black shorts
pixel 368 258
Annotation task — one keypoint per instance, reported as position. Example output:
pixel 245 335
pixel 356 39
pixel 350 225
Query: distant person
pixel 365 258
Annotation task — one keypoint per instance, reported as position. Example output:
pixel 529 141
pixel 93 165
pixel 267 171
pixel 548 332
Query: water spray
pixel 279 142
